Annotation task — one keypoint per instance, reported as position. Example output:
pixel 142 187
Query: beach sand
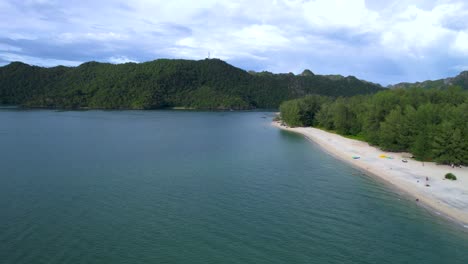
pixel 445 197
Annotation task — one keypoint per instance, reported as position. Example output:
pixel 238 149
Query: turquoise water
pixel 196 187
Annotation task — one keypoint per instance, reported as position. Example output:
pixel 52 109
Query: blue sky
pixel 380 41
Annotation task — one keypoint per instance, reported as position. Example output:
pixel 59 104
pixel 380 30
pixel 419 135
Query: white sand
pixel 446 197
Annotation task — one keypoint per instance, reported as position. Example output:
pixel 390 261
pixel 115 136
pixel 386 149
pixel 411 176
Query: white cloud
pixel 415 31
pixel 339 14
pixel 6 47
pixel 260 37
pixel 68 37
pixel 36 60
pixel 460 45
pixel 240 43
pixel 120 60
pixel 366 38
pixel 460 68
pixel 187 42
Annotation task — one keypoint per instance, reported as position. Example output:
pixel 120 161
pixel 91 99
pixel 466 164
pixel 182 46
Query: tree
pixel 343 118
pixel 324 116
pixel 449 147
pixel 163 83
pixel 421 148
pixel 291 113
pixel 432 124
pixel 391 131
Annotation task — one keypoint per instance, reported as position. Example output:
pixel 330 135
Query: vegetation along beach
pixel 417 136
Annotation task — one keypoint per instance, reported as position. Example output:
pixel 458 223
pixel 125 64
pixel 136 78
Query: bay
pixel 197 187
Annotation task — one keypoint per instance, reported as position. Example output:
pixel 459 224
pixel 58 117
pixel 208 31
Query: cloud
pixel 90 36
pixel 6 47
pixel 460 45
pixel 340 14
pixel 382 41
pixel 120 59
pixel 416 30
pixel 261 37
pixel 460 67
pixel 10 57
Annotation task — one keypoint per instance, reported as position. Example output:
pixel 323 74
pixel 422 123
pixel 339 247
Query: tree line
pixel 431 124
pixel 203 84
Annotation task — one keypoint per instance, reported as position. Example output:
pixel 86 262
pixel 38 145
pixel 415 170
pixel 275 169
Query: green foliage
pixel 421 148
pixel 343 117
pixel 460 81
pixel 449 147
pixel 432 124
pixel 324 117
pixel 450 176
pixel 206 84
pixel 291 113
pixel 390 137
pixel 301 112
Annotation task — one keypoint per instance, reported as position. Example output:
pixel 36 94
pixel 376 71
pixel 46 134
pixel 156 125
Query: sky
pixel 381 41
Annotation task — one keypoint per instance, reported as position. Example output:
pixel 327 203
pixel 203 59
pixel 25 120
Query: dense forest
pixel 204 84
pixel 461 80
pixel 432 124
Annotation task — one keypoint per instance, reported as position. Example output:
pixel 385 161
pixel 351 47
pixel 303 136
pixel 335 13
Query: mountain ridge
pixel 201 84
pixel 460 80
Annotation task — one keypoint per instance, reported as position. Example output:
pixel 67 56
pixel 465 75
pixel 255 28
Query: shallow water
pixel 197 187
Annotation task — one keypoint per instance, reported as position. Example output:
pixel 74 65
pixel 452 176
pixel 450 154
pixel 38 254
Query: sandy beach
pixel 444 197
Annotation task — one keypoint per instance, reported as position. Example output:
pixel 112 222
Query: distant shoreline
pixel 175 108
pixel 445 197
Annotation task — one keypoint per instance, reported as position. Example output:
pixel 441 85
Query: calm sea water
pixel 196 187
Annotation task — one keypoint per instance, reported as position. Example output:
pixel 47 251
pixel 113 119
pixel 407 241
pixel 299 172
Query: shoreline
pixel 443 197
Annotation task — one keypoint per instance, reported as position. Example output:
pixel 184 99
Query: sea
pixel 197 187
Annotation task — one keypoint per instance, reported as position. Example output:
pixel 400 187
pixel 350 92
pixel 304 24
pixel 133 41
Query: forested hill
pixel 461 80
pixel 204 84
pixel 430 123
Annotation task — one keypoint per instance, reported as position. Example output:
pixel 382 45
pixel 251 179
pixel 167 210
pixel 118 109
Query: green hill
pixel 432 124
pixel 203 84
pixel 460 80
